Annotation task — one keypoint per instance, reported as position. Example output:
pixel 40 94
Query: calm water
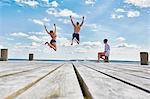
pixel 111 61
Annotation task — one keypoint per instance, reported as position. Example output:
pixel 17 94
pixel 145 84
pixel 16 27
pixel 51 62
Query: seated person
pixel 104 55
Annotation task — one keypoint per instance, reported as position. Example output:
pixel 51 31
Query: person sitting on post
pixel 104 55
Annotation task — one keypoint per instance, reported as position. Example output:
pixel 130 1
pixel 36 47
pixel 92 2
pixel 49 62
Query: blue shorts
pixel 76 35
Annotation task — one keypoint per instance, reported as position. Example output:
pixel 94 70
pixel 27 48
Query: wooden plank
pixel 103 87
pixel 21 69
pixel 61 84
pixel 133 79
pixel 131 70
pixel 11 84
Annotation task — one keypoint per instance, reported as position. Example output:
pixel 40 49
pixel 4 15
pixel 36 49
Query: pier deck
pixel 77 80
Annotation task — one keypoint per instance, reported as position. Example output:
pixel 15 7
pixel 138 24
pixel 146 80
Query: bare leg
pixel 100 55
pixel 77 41
pixel 52 46
pixel 72 41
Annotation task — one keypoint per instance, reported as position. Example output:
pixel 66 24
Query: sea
pixel 111 61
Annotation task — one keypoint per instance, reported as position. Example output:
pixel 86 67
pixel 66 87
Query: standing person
pixel 77 27
pixel 52 34
pixel 104 55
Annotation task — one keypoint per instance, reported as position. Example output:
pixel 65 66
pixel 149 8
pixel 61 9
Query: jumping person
pixel 52 33
pixel 104 55
pixel 76 30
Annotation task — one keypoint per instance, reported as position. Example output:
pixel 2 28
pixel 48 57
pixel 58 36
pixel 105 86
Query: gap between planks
pixel 26 87
pixel 119 79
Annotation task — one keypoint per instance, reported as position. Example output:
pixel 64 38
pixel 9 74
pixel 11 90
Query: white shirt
pixel 107 50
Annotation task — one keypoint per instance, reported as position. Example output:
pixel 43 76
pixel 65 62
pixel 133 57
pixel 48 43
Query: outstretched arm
pixel 72 21
pixel 82 21
pixel 46 29
pixel 54 28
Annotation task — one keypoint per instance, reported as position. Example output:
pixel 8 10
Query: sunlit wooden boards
pixel 137 75
pixel 102 86
pixel 61 84
pixel 78 80
pixel 46 80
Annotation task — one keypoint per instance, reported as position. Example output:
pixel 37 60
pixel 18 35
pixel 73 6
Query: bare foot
pixel 46 43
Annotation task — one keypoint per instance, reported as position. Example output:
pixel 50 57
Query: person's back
pixel 77 28
pixel 107 49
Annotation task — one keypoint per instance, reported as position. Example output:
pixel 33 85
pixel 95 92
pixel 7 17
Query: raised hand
pixel 70 16
pixel 44 26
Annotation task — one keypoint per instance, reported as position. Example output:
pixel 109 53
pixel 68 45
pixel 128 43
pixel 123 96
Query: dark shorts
pixel 53 41
pixel 76 35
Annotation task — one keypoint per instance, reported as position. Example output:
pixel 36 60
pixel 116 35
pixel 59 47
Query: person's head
pixel 51 31
pixel 105 41
pixel 77 23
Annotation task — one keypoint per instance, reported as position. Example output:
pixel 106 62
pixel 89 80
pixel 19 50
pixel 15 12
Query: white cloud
pixel 91 44
pixel 31 3
pixel 120 39
pixel 19 34
pixel 1 46
pixel 63 41
pixel 46 19
pixel 140 3
pixel 54 4
pixel 66 21
pixel 126 45
pixel 67 12
pixel 34 38
pixel 35 44
pixel 62 13
pixel 91 2
pixel 120 13
pixel 52 11
pixel 38 33
pixel 80 50
pixel 38 22
pixel 93 27
pixel 119 10
pixel 115 16
pixel 133 13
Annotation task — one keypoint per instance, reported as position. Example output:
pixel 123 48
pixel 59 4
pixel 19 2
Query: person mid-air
pixel 77 27
pixel 52 34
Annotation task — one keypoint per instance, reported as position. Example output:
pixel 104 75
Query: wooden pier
pixel 78 80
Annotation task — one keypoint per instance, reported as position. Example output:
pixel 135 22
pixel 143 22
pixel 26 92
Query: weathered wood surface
pixel 60 84
pixel 103 87
pixel 12 83
pixel 47 80
pixel 137 76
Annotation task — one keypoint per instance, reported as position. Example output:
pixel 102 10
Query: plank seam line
pixel 10 74
pixel 126 82
pixel 124 72
pixel 83 86
pixel 26 87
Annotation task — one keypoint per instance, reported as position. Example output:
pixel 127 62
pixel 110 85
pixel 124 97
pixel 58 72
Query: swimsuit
pixel 53 41
pixel 76 35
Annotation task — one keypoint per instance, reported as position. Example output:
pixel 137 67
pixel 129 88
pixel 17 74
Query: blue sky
pixel 125 23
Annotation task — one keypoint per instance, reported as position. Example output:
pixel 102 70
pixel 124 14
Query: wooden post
pixel 4 54
pixel 144 58
pixel 30 57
